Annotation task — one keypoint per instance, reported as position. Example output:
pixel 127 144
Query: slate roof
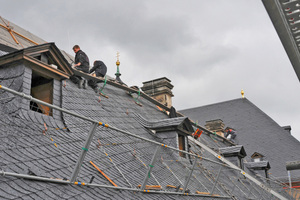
pixel 255 130
pixel 27 148
pixel 7 39
pixel 49 146
pixel 258 165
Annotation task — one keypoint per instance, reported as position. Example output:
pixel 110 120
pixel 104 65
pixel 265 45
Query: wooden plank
pixel 152 187
pixel 172 186
pixel 207 193
pixel 103 174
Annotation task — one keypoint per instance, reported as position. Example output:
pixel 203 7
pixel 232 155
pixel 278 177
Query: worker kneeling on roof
pixel 230 134
pixel 100 70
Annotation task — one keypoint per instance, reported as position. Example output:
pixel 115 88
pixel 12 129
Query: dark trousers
pixel 93 83
pixel 75 79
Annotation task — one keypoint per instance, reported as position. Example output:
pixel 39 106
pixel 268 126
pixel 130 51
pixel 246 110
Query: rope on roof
pixel 101 90
pixel 209 176
pixel 136 99
pixel 266 188
pixel 45 132
pixel 171 171
pixel 139 159
pixel 102 149
pixel 200 183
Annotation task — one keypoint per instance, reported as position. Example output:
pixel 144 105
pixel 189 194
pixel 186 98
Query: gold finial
pixel 242 93
pixel 118 56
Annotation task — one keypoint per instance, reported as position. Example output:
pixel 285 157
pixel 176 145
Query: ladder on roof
pixel 263 186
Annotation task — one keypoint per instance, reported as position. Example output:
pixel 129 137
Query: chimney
pixel 216 125
pixel 287 128
pixel 159 89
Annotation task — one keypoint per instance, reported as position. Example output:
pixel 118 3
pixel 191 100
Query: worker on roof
pixel 100 70
pixel 82 63
pixel 230 134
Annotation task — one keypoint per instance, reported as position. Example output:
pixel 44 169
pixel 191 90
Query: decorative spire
pixel 118 56
pixel 118 74
pixel 242 93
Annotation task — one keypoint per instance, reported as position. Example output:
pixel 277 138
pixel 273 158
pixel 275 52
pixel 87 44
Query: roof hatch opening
pixel 42 89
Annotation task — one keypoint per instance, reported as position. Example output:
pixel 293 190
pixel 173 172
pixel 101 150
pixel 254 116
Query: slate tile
pixel 113 111
pixel 8 192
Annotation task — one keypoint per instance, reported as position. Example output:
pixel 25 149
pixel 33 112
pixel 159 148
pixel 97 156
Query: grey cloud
pixel 209 49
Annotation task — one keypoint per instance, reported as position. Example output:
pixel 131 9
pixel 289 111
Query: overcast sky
pixel 210 50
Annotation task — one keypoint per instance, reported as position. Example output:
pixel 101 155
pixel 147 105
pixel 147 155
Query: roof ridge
pixel 237 99
pixel 213 104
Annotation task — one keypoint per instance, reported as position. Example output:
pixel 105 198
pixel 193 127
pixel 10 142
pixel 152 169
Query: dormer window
pixel 234 152
pixel 258 164
pixel 257 157
pixel 45 67
pixel 44 57
pixel 42 89
pixel 174 130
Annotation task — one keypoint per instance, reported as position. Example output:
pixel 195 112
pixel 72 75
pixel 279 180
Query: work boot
pixel 80 84
pixel 85 84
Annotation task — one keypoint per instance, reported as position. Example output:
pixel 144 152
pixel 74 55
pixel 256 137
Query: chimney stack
pixel 287 128
pixel 216 125
pixel 159 89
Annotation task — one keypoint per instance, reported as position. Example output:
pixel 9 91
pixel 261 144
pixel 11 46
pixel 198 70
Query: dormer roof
pixel 46 59
pixel 262 165
pixel 182 124
pixel 233 151
pixel 257 155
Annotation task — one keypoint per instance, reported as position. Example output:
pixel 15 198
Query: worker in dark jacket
pixel 100 70
pixel 82 64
